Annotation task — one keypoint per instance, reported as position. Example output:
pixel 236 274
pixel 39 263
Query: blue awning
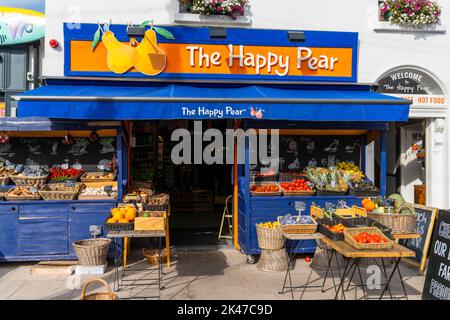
pixel 163 101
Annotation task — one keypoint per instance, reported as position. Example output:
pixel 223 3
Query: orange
pixel 117 216
pixel 115 211
pixel 365 201
pixel 123 220
pixel 130 215
pixel 111 220
pixel 369 205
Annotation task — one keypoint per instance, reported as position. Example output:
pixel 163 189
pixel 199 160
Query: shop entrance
pixel 406 165
pixel 197 191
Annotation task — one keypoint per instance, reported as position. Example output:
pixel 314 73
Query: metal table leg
pixel 348 268
pixel 396 266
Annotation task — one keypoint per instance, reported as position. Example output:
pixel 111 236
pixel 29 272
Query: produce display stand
pixel 353 256
pixel 290 257
pixel 120 280
pixel 256 209
pixel 40 230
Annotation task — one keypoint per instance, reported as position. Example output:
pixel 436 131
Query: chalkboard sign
pixel 437 280
pixel 299 152
pixel 425 223
pixel 47 152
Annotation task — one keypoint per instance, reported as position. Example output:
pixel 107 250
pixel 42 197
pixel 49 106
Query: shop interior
pixel 406 160
pixel 197 191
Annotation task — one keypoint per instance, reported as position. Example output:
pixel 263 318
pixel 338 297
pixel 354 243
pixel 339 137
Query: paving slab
pixel 221 274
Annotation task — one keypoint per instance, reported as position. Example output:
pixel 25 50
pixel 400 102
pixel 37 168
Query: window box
pixel 381 26
pixel 185 17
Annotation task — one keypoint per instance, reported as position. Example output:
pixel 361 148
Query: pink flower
pixel 219 9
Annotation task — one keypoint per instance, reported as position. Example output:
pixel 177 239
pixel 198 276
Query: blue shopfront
pixel 303 83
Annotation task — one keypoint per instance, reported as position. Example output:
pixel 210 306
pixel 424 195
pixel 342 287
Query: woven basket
pixel 4 181
pixel 269 239
pixel 92 252
pixel 103 177
pixel 152 256
pixel 48 192
pixel 109 295
pixel 350 232
pixel 29 181
pixel 299 228
pixel 397 222
pixel 272 261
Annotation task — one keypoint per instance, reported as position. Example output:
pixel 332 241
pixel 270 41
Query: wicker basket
pixel 272 261
pixel 109 295
pixel 152 256
pixel 103 177
pixel 397 222
pixel 9 196
pixel 350 232
pixel 92 252
pixel 29 181
pixel 51 192
pixel 299 228
pixel 4 180
pixel 269 239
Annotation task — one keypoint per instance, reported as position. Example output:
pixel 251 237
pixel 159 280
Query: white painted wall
pixel 378 51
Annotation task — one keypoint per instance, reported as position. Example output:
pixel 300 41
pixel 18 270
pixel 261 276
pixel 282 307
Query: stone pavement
pixel 220 274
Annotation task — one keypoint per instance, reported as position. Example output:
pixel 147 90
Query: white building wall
pixel 378 51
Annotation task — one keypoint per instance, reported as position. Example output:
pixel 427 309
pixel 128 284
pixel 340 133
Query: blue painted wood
pixel 9 228
pixel 46 230
pixel 79 224
pixel 383 141
pixel 40 235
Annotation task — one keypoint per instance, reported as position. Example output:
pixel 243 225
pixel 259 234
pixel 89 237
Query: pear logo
pixel 147 57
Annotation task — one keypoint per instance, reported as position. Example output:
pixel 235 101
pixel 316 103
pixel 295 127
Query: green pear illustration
pixel 121 57
pixel 152 60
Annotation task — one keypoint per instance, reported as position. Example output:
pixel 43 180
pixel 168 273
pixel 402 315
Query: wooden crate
pixel 150 224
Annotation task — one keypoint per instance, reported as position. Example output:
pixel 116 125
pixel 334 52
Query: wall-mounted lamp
pixel 135 31
pixel 296 36
pixel 218 33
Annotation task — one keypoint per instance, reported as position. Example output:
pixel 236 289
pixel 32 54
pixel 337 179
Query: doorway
pixel 197 191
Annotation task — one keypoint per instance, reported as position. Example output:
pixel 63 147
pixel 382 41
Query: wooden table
pixel 405 236
pixel 290 255
pixel 353 256
pixel 115 235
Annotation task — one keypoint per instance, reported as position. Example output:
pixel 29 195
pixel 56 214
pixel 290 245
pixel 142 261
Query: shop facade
pixel 304 80
pixel 382 49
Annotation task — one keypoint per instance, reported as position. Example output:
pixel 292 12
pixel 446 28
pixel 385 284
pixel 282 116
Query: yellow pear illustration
pixel 121 57
pixel 152 60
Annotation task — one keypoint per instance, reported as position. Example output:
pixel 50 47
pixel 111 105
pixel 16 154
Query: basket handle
pixel 105 284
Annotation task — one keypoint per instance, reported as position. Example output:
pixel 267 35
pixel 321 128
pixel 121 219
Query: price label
pixel 70 183
pixel 300 206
